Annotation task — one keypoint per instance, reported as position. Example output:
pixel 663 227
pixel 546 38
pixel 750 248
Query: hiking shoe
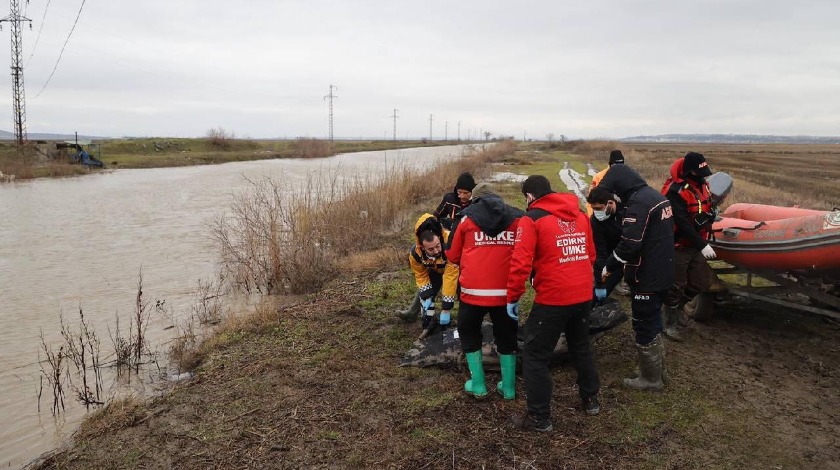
pixel 591 405
pixel 527 422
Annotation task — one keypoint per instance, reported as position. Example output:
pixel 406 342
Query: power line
pixel 40 28
pixel 62 49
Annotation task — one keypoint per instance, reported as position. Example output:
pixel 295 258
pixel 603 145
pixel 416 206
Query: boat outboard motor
pixel 720 184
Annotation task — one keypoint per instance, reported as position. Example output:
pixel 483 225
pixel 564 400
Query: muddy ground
pixel 317 386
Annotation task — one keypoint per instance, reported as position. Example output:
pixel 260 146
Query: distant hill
pixel 5 135
pixel 733 139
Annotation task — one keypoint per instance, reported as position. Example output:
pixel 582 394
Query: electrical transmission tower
pixel 431 119
pixel 446 131
pixel 331 96
pixel 395 117
pixel 459 131
pixel 18 97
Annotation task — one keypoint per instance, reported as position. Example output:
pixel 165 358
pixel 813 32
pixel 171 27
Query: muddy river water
pixel 71 242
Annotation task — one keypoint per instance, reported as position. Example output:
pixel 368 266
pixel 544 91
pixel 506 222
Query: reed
pixel 291 237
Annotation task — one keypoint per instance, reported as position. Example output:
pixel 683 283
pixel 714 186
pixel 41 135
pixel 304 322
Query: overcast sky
pixel 584 69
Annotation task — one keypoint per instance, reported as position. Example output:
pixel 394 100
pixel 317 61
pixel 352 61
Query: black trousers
pixel 470 318
pixel 647 315
pixel 542 330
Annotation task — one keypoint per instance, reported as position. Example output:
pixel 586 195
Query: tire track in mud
pixel 574 182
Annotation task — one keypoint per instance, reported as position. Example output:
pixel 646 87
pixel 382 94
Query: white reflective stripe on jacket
pixel 485 292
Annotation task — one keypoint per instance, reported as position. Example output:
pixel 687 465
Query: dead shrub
pixel 312 148
pixel 220 139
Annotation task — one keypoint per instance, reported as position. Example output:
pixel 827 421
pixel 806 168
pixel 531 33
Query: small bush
pixel 220 139
pixel 312 148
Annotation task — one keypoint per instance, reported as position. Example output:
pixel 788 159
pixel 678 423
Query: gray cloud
pixel 584 69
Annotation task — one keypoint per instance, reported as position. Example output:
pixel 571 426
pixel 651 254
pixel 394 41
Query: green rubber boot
pixel 507 386
pixel 475 386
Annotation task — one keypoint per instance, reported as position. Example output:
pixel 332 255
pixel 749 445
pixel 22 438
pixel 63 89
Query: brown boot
pixel 717 285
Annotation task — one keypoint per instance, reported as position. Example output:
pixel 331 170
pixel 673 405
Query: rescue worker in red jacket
pixel 481 246
pixel 554 241
pixel 433 273
pixel 691 201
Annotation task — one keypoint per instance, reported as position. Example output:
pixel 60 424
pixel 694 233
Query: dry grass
pixel 291 238
pixel 779 174
pixel 312 148
pixel 33 163
pixel 117 414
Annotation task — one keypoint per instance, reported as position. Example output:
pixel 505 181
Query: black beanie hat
pixel 616 157
pixel 537 185
pixel 694 161
pixel 465 181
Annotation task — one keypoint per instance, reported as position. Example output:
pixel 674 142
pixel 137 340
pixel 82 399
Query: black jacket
pixel 606 235
pixel 647 234
pixel 449 210
pixel 491 214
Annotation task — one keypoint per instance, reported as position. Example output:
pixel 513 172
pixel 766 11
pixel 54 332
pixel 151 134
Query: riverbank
pixel 43 160
pixel 314 383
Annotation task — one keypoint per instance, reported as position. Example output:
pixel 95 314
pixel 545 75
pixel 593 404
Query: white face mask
pixel 601 215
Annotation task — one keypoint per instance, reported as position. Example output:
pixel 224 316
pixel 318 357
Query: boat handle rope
pixel 755 227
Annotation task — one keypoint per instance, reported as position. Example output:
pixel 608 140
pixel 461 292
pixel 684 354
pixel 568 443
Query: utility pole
pixel 331 96
pixel 459 131
pixel 395 117
pixel 446 131
pixel 431 119
pixel 18 98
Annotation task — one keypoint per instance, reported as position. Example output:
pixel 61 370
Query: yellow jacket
pixel 422 264
pixel 595 181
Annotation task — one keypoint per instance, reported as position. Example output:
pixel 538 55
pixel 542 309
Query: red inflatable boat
pixel 758 236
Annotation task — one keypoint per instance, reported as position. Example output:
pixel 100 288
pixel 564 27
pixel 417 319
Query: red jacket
pixel 483 261
pixel 555 241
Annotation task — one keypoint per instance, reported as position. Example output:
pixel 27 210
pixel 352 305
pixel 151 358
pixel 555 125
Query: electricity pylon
pixel 431 119
pixel 18 97
pixel 331 96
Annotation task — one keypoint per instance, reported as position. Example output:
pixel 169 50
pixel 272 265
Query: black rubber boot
pixel 670 323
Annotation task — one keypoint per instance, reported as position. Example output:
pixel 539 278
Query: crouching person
pixel 481 246
pixel 645 254
pixel 433 273
pixel 554 241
